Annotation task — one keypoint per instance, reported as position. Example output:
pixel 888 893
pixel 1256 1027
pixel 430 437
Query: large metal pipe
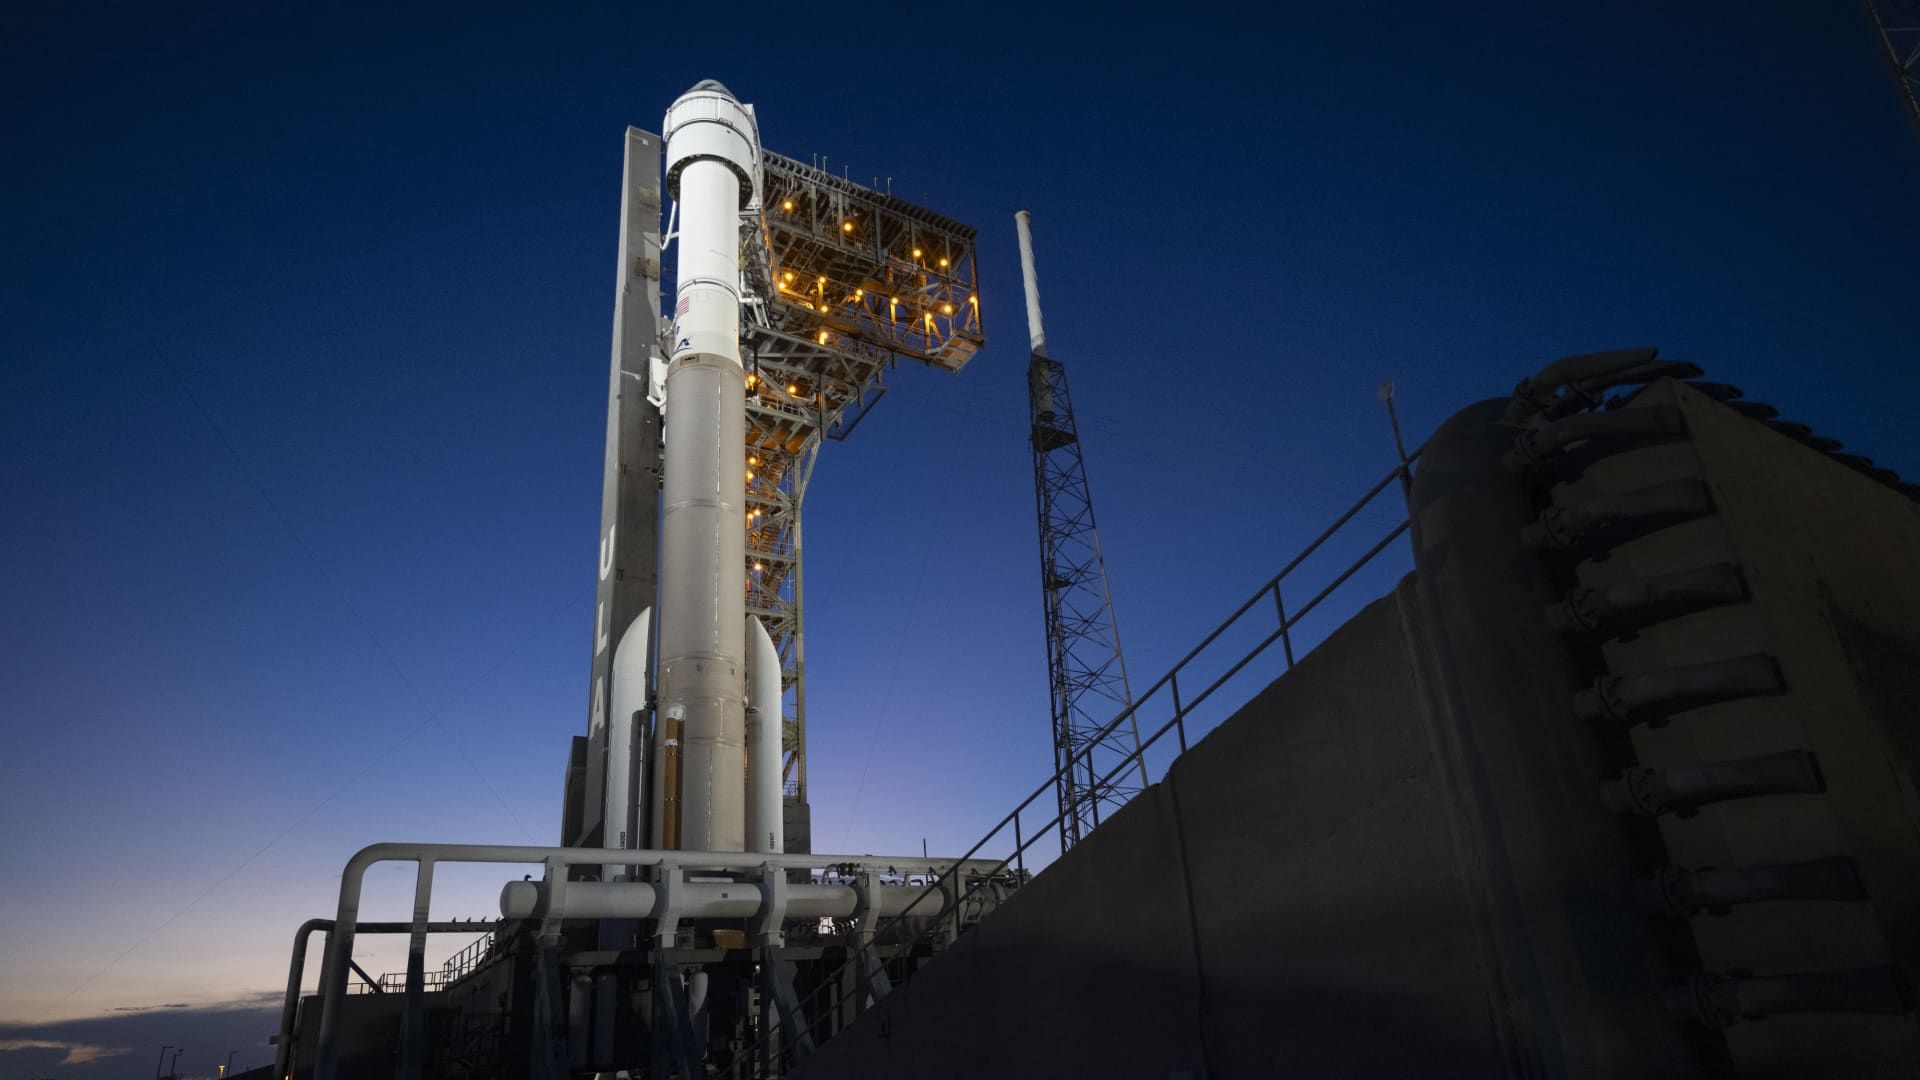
pixel 1036 332
pixel 346 918
pixel 766 831
pixel 626 758
pixel 296 967
pixel 707 900
pixel 712 163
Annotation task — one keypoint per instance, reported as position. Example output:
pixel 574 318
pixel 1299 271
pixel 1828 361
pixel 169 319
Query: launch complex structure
pixel 831 286
pixel 684 916
pixel 1617 782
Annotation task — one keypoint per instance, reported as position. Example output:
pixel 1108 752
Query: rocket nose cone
pixel 711 84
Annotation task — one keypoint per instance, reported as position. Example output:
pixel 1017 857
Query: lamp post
pixel 163 1057
pixel 173 1067
pixel 228 1067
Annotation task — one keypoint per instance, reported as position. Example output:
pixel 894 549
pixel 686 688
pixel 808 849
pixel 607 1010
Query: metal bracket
pixel 873 982
pixel 670 896
pixel 556 907
pixel 373 984
pixel 768 931
pixel 674 1052
pixel 778 973
pixel 657 380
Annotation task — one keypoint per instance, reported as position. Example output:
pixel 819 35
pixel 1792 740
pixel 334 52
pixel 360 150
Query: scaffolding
pixel 842 283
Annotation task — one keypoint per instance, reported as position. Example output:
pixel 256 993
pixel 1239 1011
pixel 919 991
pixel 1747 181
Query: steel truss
pixel 842 283
pixel 1087 675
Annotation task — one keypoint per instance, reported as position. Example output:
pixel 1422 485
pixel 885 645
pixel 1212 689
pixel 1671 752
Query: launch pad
pixel 1610 778
pixel 683 928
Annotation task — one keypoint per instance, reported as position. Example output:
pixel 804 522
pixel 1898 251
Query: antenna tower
pixel 1087 675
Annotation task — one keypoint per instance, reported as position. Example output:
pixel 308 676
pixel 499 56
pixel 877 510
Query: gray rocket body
pixel 712 165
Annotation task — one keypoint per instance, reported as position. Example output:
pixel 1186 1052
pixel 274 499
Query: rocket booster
pixel 766 829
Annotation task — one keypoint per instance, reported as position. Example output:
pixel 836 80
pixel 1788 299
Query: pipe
pixel 1536 391
pixel 1647 600
pixel 1036 331
pixel 1614 517
pixel 1572 369
pixel 1537 447
pixel 1650 792
pixel 413 1025
pixel 1682 892
pixel 766 831
pixel 1722 1000
pixel 626 758
pixel 1651 697
pixel 712 163
pixel 663 825
pixel 705 900
pixel 333 974
pixel 296 968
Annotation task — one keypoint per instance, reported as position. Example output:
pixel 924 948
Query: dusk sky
pixel 303 343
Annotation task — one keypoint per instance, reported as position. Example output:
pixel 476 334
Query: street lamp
pixel 173 1067
pixel 229 1065
pixel 163 1057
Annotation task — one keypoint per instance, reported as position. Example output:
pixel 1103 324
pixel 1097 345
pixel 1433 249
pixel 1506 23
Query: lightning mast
pixel 1086 673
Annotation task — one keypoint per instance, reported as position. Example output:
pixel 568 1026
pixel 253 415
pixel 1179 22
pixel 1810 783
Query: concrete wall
pixel 1831 560
pixel 1394 861
pixel 1288 898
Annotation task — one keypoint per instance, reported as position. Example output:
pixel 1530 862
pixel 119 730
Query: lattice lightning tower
pixel 1086 672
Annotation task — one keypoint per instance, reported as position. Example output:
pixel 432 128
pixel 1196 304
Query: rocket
pixel 709 777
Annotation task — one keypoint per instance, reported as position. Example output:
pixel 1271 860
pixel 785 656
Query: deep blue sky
pixel 303 334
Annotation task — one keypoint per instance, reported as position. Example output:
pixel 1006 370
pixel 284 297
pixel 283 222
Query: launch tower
pixel 837 282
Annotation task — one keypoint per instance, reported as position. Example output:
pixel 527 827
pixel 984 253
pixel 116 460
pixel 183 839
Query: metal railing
pixel 395 982
pixel 475 954
pixel 1167 690
pixel 456 967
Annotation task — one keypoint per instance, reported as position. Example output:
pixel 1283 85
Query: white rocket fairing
pixel 625 755
pixel 713 166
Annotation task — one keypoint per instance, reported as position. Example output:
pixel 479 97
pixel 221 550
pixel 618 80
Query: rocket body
pixel 712 164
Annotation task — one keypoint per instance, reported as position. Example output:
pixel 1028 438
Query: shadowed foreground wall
pixel 1285 878
pixel 1396 860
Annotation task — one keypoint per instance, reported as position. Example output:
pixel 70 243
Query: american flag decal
pixel 681 308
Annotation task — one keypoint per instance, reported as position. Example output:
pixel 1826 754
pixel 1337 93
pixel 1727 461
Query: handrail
pixel 1181 709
